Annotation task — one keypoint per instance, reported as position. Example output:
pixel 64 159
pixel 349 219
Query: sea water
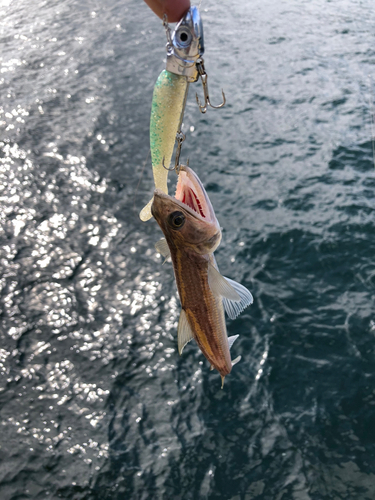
pixel 95 402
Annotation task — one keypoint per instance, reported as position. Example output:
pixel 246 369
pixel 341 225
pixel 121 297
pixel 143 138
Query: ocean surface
pixel 95 402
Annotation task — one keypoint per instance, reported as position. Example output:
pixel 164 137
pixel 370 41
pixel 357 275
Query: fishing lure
pixel 185 65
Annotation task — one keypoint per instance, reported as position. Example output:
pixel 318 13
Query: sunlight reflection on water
pixel 95 400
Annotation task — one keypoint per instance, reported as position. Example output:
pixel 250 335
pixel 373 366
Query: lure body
pixel 167 110
pixel 184 49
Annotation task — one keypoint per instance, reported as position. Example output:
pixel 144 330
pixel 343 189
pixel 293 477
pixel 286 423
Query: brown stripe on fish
pixel 207 335
pixel 200 333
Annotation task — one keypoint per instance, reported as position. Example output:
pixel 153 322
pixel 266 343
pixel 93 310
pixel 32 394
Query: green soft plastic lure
pixel 184 50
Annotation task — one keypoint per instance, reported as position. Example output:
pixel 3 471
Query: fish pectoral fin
pixel 184 332
pixel 222 380
pixel 231 340
pixel 212 367
pixel 235 361
pixel 220 285
pixel 145 214
pixel 163 248
pixel 235 296
pixel 235 307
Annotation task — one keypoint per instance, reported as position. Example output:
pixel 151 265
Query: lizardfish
pixel 192 233
pixel 184 49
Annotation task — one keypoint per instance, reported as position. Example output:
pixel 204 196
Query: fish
pixel 192 234
pixel 184 48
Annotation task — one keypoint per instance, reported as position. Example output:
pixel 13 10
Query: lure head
pixel 186 46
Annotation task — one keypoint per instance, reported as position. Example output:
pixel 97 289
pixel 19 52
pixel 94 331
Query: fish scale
pixel 203 309
pixel 192 233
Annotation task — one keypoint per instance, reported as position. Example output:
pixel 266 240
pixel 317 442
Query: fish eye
pixel 183 37
pixel 177 220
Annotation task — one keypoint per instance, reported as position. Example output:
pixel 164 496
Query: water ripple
pixel 95 401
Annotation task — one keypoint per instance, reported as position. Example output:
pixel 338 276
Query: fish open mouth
pixel 191 193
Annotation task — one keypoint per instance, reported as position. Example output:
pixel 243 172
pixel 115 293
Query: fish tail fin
pixel 230 343
pixel 231 340
pixel 235 361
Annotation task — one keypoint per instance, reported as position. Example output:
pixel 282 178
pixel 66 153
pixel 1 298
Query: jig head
pixel 185 48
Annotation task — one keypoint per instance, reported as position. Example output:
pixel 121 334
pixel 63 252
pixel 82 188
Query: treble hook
pixel 203 75
pixel 180 137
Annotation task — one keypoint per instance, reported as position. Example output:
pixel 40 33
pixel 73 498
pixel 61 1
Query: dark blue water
pixel 95 402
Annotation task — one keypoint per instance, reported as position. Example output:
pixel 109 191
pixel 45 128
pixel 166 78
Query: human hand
pixel 175 9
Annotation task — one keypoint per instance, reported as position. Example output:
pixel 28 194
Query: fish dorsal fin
pixel 235 361
pixel 233 307
pixel 184 332
pixel 231 340
pixel 220 286
pixel 163 248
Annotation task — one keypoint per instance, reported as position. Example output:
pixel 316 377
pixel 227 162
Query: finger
pixel 175 9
